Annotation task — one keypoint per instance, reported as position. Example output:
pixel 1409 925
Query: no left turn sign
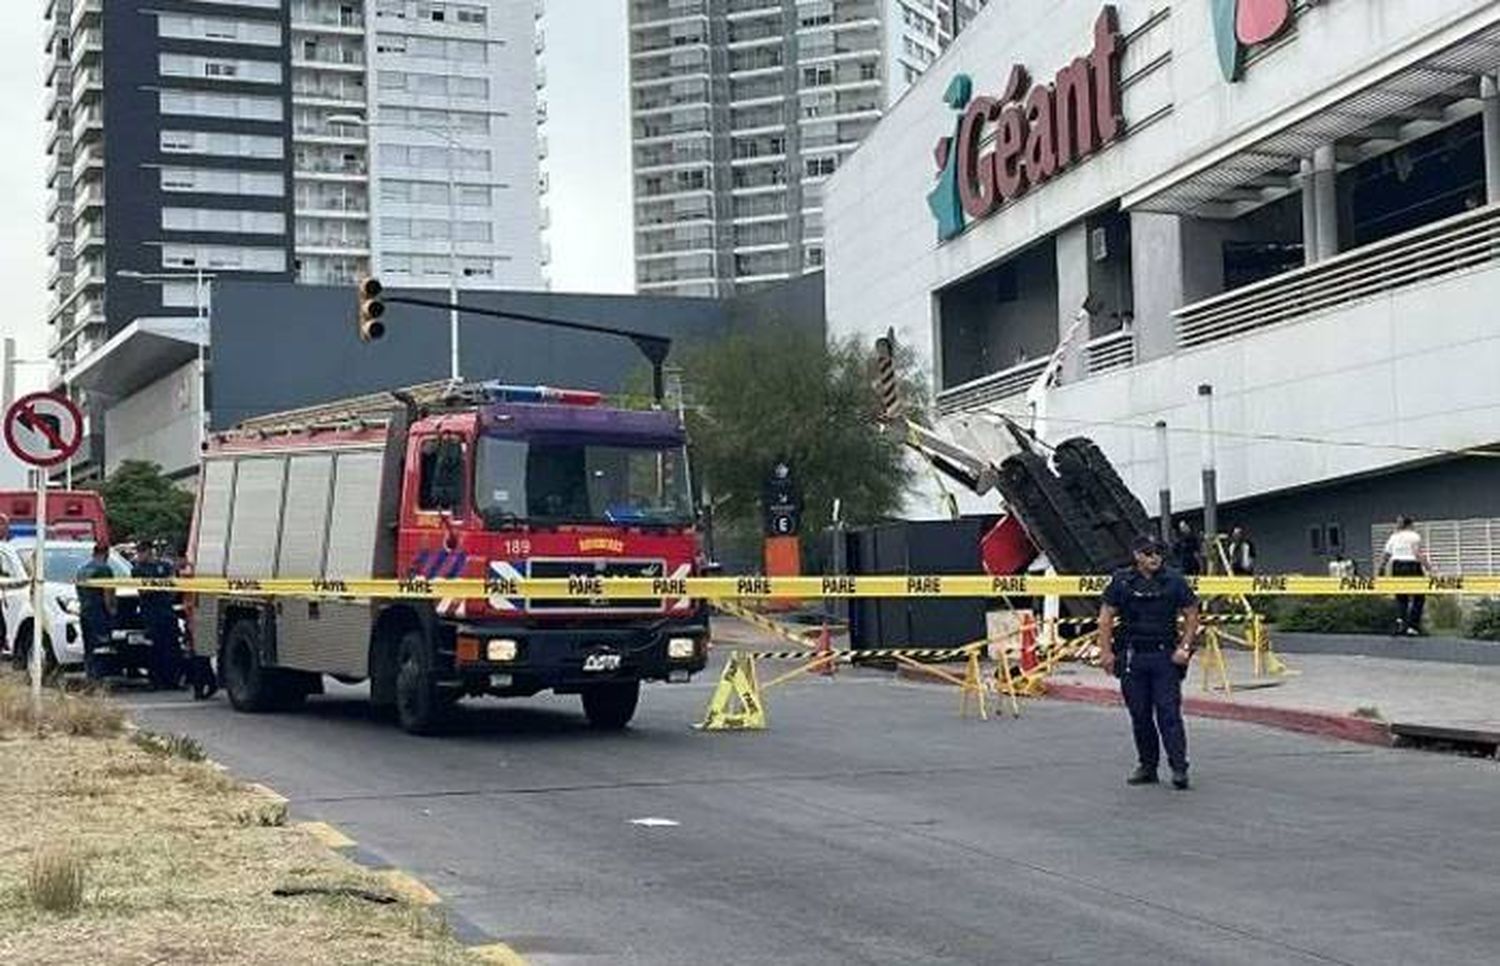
pixel 43 429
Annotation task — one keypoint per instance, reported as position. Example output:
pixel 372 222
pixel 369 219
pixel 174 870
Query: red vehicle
pixel 482 481
pixel 71 514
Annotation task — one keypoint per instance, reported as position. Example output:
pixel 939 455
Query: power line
pixel 1480 452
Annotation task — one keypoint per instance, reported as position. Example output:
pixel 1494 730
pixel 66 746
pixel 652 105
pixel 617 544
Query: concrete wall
pixel 282 346
pixel 1462 489
pixel 157 424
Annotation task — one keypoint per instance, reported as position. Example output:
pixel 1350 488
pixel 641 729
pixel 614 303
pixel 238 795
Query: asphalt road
pixel 871 825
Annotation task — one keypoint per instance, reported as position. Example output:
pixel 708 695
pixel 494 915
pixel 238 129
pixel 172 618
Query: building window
pixel 820 167
pixel 232 221
pixel 224 257
pixel 223 181
pixel 259 33
pixel 207 104
pixel 223 144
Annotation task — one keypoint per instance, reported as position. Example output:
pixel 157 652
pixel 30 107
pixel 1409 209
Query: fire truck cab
pixel 480 481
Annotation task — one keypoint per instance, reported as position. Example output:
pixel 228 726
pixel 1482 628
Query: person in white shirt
pixel 1406 557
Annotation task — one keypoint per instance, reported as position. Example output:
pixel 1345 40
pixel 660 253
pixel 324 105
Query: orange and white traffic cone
pixel 824 651
pixel 1028 643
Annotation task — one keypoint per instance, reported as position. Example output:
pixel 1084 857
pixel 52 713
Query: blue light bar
pixel 502 393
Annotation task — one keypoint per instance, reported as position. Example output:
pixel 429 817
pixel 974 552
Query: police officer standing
pixel 93 607
pixel 1152 657
pixel 159 617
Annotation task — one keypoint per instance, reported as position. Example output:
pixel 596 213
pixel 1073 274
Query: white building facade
pixel 1300 214
pixel 416 141
pixel 741 109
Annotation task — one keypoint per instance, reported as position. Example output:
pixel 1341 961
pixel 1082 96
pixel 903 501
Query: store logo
pixel 1002 147
pixel 1242 25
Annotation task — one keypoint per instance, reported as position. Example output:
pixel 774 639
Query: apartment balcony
pixel 755 61
pixel 664 12
pixel 59 206
pixel 89 239
pixel 653 161
pixel 330 169
pixel 649 71
pixel 752 33
pixel 759 207
pixel 85 12
pixel 329 59
pixel 647 102
pixel 87 46
pixel 61 269
pixel 59 236
pixel 88 125
pixel 309 91
pixel 326 19
pixel 742 9
pixel 87 82
pixel 332 244
pixel 657 130
pixel 88 200
pixel 88 162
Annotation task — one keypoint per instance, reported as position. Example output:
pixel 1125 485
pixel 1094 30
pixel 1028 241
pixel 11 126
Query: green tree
pixel 779 393
pixel 142 504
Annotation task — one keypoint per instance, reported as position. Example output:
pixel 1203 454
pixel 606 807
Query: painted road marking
pixel 650 822
pixel 497 953
pixel 329 836
pixel 409 887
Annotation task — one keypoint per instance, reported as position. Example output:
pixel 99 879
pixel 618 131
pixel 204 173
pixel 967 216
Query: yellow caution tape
pixel 754 588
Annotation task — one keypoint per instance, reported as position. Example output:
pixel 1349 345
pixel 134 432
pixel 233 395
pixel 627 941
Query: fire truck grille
pixel 596 568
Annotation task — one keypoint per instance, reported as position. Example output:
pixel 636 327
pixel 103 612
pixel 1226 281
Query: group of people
pixel 1148 629
pixel 1188 553
pixel 100 612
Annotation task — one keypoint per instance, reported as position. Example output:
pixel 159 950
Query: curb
pixel 1321 724
pixel 1318 723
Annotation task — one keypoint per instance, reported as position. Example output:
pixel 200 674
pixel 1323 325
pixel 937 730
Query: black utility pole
pixel 654 347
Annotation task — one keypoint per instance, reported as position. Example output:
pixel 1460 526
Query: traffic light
pixel 371 308
pixel 887 387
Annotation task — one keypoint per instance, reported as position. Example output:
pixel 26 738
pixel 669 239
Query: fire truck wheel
pixel 419 709
pixel 251 686
pixel 610 707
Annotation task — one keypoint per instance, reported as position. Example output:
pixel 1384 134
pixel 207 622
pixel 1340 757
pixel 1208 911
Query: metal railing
pixel 1463 243
pixel 1007 384
pixel 1114 350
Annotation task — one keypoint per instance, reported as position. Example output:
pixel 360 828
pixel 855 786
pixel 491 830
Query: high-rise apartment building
pixel 301 140
pixel 742 108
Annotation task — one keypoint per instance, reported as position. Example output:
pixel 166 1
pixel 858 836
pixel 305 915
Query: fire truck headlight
pixel 501 650
pixel 681 648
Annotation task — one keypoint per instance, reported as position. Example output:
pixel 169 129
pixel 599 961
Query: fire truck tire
pixel 251 686
pixel 419 708
pixel 609 707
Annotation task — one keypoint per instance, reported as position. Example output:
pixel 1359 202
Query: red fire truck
pixel 478 481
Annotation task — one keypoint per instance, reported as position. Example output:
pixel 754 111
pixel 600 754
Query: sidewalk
pixel 1353 697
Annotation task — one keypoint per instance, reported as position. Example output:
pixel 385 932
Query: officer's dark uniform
pixel 159 620
pixel 93 615
pixel 1147 608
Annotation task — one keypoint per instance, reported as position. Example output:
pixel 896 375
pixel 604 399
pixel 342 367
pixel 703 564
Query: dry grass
pixel 171 862
pixel 54 879
pixel 84 713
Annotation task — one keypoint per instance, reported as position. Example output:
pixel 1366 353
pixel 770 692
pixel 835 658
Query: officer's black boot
pixel 1142 776
pixel 1180 780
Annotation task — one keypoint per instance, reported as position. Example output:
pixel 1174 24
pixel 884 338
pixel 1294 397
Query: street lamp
pixel 203 305
pixel 446 133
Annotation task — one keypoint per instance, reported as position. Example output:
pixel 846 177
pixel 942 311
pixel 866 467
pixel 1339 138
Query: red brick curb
pixel 1323 724
pixel 1340 727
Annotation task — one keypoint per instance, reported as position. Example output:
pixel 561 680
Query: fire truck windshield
pixel 561 481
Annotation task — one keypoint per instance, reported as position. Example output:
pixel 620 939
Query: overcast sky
pixel 588 121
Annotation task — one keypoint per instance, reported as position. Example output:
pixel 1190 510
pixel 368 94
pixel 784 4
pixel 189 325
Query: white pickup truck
pixel 62 637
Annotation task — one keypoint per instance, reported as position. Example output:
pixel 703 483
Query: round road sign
pixel 43 429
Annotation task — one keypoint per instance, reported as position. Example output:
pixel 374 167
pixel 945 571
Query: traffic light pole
pixel 653 347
